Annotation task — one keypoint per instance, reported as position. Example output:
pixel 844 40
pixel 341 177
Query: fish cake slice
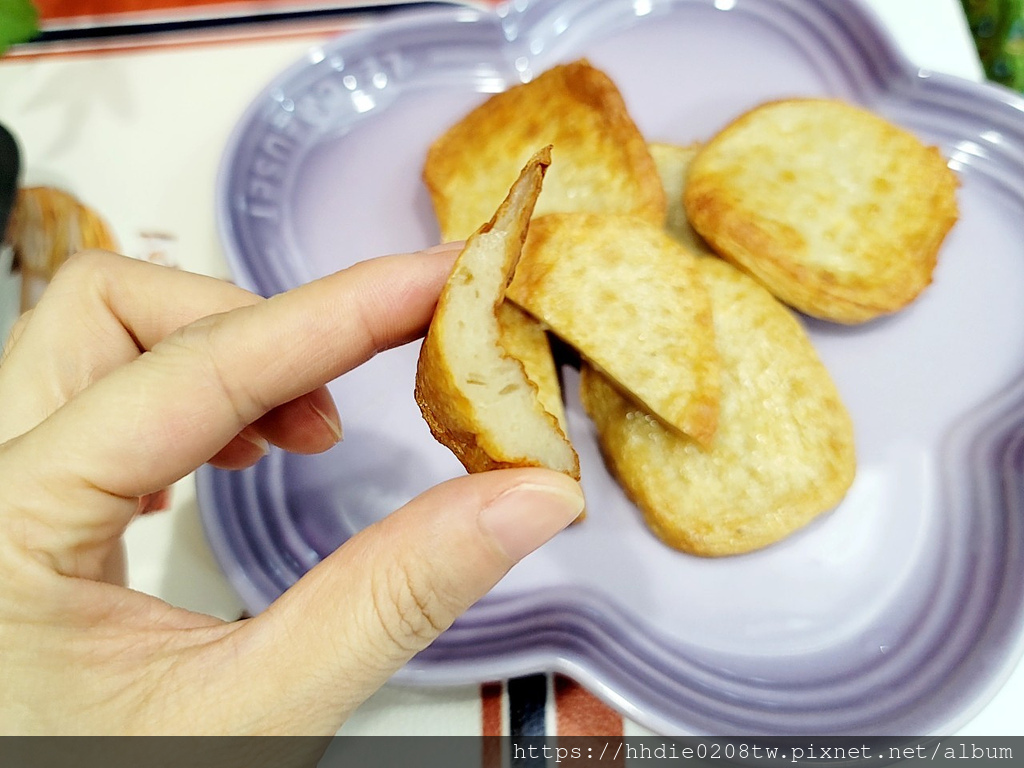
pixel 838 212
pixel 673 164
pixel 473 393
pixel 602 162
pixel 784 450
pixel 525 339
pixel 629 299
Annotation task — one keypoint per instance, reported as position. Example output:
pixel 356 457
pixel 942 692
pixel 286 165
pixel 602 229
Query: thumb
pixel 338 635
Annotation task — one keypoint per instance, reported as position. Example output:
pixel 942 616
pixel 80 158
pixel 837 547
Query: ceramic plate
pixel 899 612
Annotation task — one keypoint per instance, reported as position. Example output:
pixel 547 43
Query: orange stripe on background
pixel 85 13
pixel 490 698
pixel 580 713
pixel 66 9
pixel 596 729
pixel 315 32
pixel 491 724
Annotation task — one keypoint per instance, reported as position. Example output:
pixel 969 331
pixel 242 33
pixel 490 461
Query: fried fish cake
pixel 835 210
pixel 602 162
pixel 629 299
pixel 673 164
pixel 525 339
pixel 474 395
pixel 784 450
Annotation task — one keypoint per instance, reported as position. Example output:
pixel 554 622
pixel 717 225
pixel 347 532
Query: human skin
pixel 125 378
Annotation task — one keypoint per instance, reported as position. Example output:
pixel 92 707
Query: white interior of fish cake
pixel 504 398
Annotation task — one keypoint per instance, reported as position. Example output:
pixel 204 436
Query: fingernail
pixel 333 424
pixel 527 515
pixel 255 439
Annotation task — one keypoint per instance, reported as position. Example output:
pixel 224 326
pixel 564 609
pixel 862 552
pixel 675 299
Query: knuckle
pixel 85 266
pixel 197 344
pixel 410 607
pixel 371 313
pixel 368 328
pixel 81 280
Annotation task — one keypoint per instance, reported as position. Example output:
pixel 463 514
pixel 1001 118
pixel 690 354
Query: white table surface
pixel 73 112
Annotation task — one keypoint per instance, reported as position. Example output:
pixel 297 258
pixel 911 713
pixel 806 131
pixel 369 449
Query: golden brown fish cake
pixel 628 298
pixel 838 212
pixel 602 162
pixel 673 164
pixel 474 395
pixel 784 451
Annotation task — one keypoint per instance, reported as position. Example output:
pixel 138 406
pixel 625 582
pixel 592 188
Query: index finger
pixel 152 421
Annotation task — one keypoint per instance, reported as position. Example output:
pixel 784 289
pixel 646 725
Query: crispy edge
pixel 532 289
pixel 447 155
pixel 600 393
pixel 761 246
pixel 596 88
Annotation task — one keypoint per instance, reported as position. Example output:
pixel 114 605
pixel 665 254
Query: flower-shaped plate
pixel 899 612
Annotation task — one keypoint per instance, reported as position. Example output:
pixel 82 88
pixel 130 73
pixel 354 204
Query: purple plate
pixel 899 612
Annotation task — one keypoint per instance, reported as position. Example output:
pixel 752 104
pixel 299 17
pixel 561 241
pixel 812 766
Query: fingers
pixel 171 410
pixel 309 424
pixel 150 422
pixel 102 311
pixel 289 425
pixel 99 312
pixel 351 622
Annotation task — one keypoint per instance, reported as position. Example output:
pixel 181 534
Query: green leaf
pixel 19 22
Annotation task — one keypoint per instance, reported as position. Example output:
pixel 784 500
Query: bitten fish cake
pixel 524 338
pixel 784 450
pixel 474 394
pixel 835 210
pixel 601 159
pixel 629 299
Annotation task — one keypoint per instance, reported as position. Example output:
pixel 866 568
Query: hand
pixel 128 376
